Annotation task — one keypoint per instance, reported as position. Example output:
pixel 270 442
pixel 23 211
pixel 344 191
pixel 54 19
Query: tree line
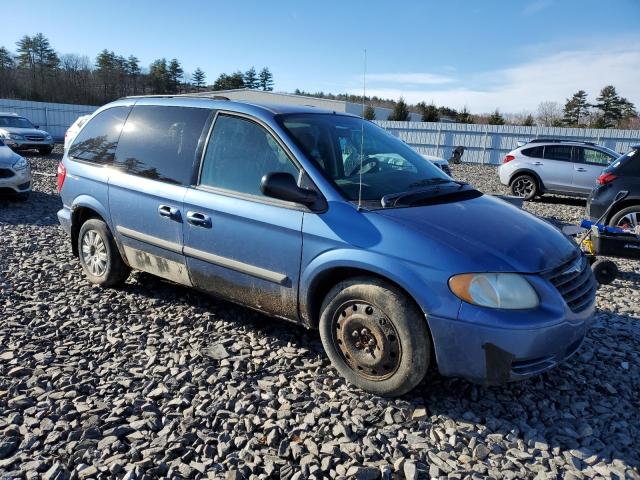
pixel 36 71
pixel 610 110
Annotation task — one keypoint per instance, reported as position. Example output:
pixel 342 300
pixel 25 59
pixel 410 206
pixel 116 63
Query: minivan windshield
pixel 15 122
pixel 388 166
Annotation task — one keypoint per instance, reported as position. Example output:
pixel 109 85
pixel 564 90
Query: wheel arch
pixel 527 171
pixel 84 208
pixel 626 203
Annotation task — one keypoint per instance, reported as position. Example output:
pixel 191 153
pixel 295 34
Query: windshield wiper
pixel 392 199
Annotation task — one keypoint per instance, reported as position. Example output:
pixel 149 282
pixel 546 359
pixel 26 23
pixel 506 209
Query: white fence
pixel 490 143
pixel 55 118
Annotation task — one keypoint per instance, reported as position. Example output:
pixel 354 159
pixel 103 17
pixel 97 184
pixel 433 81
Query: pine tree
pixel 6 59
pixel 528 121
pixel 576 108
pixel 133 71
pixel 229 82
pixel 369 113
pixel 174 74
pixel 496 118
pixel 400 112
pixel 610 106
pixel 251 79
pixel 198 79
pixel 429 112
pixel 266 80
pixel 159 76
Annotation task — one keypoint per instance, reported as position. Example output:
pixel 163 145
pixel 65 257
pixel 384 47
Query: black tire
pixel 104 254
pixel 22 197
pixel 605 271
pixel 394 324
pixel 626 215
pixel 45 151
pixel 525 186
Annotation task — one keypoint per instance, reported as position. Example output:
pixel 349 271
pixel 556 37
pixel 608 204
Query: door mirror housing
pixel 283 186
pixel 37 126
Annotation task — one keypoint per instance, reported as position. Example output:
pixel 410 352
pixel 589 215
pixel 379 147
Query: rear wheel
pixel 375 336
pixel 99 255
pixel 626 218
pixel 525 186
pixel 605 271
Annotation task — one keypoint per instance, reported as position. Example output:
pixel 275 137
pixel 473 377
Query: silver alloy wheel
pixel 94 253
pixel 629 220
pixel 523 186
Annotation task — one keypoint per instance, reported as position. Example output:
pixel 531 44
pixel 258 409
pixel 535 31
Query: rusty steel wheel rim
pixel 367 340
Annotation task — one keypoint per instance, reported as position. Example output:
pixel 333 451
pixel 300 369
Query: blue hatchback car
pixel 325 219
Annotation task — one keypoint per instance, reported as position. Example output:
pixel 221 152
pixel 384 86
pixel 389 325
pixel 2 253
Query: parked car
pixel 439 162
pixel 20 134
pixel 547 165
pixel 397 264
pixel 15 173
pixel 73 130
pixel 622 174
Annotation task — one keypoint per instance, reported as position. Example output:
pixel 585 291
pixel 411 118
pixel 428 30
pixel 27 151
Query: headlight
pixel 495 290
pixel 15 136
pixel 49 137
pixel 20 164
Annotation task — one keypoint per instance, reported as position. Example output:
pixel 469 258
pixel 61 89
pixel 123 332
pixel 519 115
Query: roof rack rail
pixel 560 140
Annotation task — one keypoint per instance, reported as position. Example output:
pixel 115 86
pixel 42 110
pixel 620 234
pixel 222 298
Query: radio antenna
pixel 364 96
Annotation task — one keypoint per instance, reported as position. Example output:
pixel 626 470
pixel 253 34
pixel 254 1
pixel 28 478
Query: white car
pixel 15 173
pixel 547 165
pixel 73 130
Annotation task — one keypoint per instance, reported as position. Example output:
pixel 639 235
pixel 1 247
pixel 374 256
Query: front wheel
pixel 99 255
pixel 375 336
pixel 525 186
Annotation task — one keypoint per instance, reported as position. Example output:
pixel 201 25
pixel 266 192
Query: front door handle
pixel 199 219
pixel 538 163
pixel 169 212
pixel 581 169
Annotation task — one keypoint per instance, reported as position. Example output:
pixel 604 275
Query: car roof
pixel 223 103
pixel 569 141
pixel 8 114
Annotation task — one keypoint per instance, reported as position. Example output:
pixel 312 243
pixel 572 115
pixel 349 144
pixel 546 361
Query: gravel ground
pixel 154 380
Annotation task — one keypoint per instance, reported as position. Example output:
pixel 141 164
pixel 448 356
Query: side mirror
pixel 37 126
pixel 283 186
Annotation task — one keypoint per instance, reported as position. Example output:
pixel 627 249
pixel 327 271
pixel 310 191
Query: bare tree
pixel 549 114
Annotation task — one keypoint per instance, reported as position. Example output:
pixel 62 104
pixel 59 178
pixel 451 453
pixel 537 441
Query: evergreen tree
pixel 610 106
pixel 464 116
pixel 429 112
pixel 35 52
pixel 198 79
pixel 528 121
pixel 6 59
pixel 251 79
pixel 229 82
pixel 496 118
pixel 266 80
pixel 133 71
pixel 400 112
pixel 159 76
pixel 576 108
pixel 369 113
pixel 174 74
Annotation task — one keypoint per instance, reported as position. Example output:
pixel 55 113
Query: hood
pixel 436 160
pixel 7 156
pixel 487 234
pixel 24 131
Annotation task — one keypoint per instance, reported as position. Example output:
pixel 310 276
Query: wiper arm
pixel 392 199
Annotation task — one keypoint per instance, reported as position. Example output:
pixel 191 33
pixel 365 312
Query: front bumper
pixel 28 144
pixel 20 181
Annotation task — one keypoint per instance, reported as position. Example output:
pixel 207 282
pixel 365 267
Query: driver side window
pixel 595 157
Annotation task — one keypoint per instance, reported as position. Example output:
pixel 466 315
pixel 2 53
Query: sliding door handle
pixel 199 219
pixel 170 212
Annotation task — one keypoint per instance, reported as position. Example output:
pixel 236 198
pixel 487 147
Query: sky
pixel 505 54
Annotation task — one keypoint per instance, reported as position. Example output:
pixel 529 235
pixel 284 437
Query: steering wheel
pixel 374 162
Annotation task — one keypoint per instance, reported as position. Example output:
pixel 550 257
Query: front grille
pixel 6 173
pixel 34 138
pixel 575 282
pixel 446 169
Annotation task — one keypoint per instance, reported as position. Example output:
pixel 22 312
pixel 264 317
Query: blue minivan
pixel 326 220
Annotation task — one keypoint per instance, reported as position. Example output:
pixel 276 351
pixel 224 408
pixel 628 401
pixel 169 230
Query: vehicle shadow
pixel 39 209
pixel 571 410
pixel 559 200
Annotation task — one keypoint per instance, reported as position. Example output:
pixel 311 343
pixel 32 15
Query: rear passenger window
pixel 557 152
pixel 160 142
pixel 594 157
pixel 239 153
pixel 535 152
pixel 97 141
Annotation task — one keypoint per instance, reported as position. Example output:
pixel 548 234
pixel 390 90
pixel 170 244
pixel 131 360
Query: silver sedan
pixel 15 173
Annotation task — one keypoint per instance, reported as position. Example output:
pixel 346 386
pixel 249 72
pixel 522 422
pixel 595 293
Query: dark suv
pixel 623 174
